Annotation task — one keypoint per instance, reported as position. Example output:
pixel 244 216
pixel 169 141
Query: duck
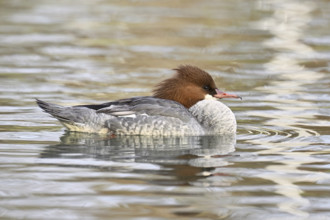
pixel 186 104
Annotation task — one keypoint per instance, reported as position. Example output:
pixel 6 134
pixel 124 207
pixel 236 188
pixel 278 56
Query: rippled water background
pixel 275 54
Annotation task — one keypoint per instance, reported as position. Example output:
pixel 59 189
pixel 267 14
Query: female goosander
pixel 186 104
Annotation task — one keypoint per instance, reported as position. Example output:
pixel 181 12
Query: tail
pixel 74 118
pixel 59 112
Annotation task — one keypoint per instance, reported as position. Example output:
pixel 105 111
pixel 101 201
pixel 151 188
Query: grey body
pixel 145 116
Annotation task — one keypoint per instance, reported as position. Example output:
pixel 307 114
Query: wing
pixel 150 116
pixel 146 105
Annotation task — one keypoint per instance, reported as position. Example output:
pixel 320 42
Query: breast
pixel 214 116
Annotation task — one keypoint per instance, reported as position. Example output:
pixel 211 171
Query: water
pixel 275 54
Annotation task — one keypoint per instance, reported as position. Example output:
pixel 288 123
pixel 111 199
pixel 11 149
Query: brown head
pixel 188 86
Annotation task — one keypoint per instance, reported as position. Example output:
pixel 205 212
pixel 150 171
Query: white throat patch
pixel 209 97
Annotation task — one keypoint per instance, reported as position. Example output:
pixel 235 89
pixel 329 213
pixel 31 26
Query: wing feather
pixel 146 105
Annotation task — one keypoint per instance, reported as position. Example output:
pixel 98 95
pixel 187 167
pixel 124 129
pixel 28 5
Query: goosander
pixel 185 104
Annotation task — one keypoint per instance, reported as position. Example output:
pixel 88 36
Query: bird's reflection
pixel 187 159
pixel 199 151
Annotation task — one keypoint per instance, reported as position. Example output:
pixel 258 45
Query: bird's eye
pixel 207 88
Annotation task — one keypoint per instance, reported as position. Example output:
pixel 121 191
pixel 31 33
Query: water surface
pixel 275 54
